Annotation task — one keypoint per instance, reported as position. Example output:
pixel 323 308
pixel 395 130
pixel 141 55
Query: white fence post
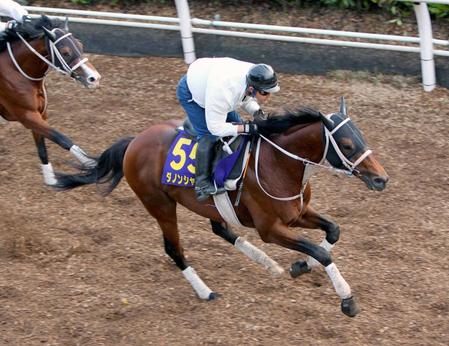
pixel 425 35
pixel 185 25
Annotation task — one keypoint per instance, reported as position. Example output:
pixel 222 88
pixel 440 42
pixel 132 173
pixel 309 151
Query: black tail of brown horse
pixel 108 170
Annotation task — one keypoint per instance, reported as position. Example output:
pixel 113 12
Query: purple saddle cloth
pixel 223 168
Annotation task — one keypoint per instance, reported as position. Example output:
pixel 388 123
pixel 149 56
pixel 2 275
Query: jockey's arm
pixel 216 114
pixel 217 125
pixel 219 102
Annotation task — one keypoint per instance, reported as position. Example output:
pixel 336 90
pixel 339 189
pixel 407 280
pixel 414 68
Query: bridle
pixel 56 57
pixel 310 166
pixel 350 166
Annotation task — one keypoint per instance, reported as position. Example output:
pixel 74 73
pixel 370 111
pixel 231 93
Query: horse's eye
pixel 66 52
pixel 347 147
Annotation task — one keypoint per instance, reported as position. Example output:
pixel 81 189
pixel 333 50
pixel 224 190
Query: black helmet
pixel 263 78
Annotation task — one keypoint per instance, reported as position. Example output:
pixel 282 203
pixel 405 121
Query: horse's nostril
pixel 380 181
pixel 91 79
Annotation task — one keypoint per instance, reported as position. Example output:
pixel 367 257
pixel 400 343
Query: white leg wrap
pixel 198 285
pixel 340 285
pixel 49 175
pixel 82 156
pixel 312 262
pixel 258 256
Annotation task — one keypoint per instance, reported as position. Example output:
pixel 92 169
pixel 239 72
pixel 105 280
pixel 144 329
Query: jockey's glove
pixel 259 115
pixel 250 128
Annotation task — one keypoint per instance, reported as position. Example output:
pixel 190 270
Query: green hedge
pixel 397 8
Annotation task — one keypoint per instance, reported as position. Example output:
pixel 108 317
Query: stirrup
pixel 204 192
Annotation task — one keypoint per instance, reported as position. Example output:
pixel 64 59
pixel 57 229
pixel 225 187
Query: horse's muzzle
pixel 377 182
pixel 88 76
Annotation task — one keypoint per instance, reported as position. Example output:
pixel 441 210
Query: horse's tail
pixel 109 169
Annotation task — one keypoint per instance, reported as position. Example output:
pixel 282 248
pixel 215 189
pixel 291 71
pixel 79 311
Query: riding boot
pixel 204 186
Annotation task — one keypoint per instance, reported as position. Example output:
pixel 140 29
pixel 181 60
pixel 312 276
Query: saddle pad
pixel 179 168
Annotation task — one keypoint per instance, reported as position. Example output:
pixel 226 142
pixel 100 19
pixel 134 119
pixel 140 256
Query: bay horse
pixel 276 190
pixel 26 56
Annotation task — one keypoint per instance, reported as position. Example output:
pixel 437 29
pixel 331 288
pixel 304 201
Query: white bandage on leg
pixel 198 285
pixel 258 256
pixel 312 262
pixel 49 174
pixel 340 285
pixel 82 156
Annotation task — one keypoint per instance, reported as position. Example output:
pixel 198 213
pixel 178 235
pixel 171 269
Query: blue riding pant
pixel 196 113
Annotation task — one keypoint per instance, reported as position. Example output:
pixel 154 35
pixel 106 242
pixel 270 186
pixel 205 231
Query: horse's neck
pixel 306 142
pixel 30 63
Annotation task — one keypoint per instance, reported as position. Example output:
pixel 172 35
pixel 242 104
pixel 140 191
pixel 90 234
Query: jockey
pixel 11 9
pixel 210 93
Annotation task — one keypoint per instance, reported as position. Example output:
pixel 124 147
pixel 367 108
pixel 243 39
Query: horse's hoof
pixel 298 268
pixel 349 307
pixel 213 296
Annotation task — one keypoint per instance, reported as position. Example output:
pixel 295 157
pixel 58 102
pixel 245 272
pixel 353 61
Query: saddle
pixel 228 166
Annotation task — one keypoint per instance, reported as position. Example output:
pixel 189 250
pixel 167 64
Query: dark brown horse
pixel 28 54
pixel 276 189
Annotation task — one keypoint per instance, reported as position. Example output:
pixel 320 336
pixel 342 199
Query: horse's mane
pixel 279 123
pixel 33 28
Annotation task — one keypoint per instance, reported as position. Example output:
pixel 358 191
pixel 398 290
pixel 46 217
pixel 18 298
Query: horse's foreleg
pixel 283 236
pixel 311 219
pixel 38 125
pixel 247 248
pixel 65 142
pixel 47 169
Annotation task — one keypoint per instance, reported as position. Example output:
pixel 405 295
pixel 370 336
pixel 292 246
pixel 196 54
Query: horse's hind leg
pixel 311 219
pixel 47 169
pixel 163 209
pixel 246 248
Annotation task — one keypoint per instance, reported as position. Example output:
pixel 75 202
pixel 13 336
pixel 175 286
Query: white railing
pixel 187 26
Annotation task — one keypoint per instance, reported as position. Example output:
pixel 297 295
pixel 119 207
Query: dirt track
pixel 80 269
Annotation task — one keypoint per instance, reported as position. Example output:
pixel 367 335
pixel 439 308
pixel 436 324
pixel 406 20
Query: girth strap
pixel 226 209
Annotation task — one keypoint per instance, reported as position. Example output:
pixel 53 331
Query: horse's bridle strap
pixel 53 51
pixel 329 139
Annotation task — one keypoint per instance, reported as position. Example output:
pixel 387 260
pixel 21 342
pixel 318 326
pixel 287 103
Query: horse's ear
pixel 343 106
pixel 66 24
pixel 50 34
pixel 328 122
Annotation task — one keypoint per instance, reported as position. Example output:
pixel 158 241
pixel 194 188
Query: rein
pixel 54 53
pixel 351 167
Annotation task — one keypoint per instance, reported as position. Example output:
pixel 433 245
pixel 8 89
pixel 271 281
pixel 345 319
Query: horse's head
pixel 347 150
pixel 66 53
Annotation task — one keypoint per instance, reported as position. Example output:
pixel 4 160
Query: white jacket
pixel 218 85
pixel 9 8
